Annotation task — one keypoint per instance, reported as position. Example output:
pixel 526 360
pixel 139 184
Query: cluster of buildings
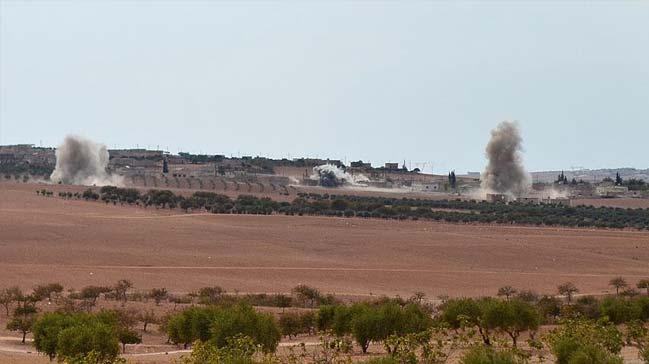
pixel 144 162
pixel 26 156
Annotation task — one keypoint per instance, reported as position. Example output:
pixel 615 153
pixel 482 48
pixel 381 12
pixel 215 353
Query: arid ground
pixel 78 243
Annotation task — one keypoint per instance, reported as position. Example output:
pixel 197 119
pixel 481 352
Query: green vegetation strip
pixel 455 211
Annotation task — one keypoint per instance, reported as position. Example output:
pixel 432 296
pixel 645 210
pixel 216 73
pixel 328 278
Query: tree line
pixel 454 211
pixel 585 329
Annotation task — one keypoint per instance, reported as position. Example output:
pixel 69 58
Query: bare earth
pixel 78 243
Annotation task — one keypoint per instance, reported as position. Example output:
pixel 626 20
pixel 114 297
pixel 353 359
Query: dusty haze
pixel 80 161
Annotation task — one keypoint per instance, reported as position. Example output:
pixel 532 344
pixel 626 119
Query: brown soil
pixel 80 243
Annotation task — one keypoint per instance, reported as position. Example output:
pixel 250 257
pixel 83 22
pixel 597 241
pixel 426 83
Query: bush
pixel 218 324
pixel 383 360
pixel 469 312
pixel 68 336
pixel 293 324
pixel 511 317
pixel 487 355
pixel 619 310
pixel 591 354
pixel 376 322
pixel 89 194
pixel 581 339
pixel 238 350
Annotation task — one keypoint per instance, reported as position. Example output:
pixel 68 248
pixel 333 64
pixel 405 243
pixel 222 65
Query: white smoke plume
pixel 329 175
pixel 505 172
pixel 80 161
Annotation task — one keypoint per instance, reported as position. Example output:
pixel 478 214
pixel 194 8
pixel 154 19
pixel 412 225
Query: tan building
pixel 611 191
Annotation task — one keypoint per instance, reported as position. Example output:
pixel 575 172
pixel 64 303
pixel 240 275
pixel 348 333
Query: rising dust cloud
pixel 80 161
pixel 329 175
pixel 505 172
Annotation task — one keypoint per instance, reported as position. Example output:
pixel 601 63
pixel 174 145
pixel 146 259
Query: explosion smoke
pixel 329 175
pixel 505 172
pixel 80 161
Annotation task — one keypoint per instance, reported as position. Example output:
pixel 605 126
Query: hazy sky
pixel 378 81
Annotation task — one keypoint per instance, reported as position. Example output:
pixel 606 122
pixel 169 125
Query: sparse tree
pixel 618 282
pixel 567 289
pixel 507 291
pixel 618 179
pixel 158 295
pixel 90 294
pixel 24 315
pixel 282 301
pixel 127 336
pixel 180 300
pixel 306 294
pixel 289 324
pixel 643 284
pixel 147 317
pixel 629 292
pixel 528 296
pixel 47 291
pixel 127 317
pixel 9 296
pixel 418 296
pixel 22 324
pixel 512 317
pixel 121 289
pixel 210 295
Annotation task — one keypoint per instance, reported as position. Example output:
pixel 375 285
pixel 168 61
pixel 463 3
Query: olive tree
pixel 9 296
pixel 127 336
pixel 584 341
pixel 121 289
pixel 68 336
pixel 507 291
pixel 91 293
pixel 567 289
pixel 147 317
pixel 158 295
pixel 643 284
pixel 218 324
pixel 22 323
pixel 47 291
pixel 470 312
pixel 306 294
pixel 617 283
pixel 512 317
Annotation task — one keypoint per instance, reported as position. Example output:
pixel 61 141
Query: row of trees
pixel 409 330
pixel 74 336
pixel 217 324
pixel 21 308
pixel 23 316
pixel 457 211
pixel 410 334
pixel 373 323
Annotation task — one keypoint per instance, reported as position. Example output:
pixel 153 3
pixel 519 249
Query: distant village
pixel 157 168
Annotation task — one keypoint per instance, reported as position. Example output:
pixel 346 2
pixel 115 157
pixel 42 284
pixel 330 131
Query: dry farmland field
pixel 79 243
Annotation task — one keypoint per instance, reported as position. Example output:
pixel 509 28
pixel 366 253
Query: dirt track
pixel 80 243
